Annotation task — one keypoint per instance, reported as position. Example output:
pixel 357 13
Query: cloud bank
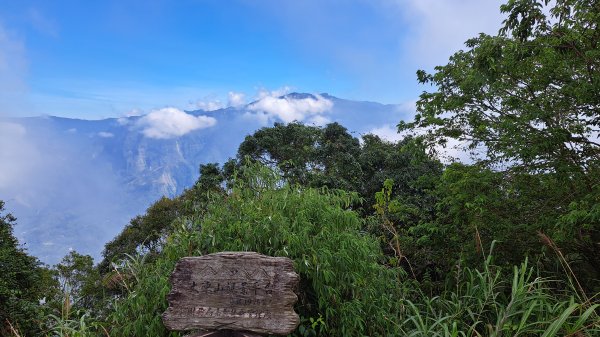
pixel 15 152
pixel 62 194
pixel 290 109
pixel 171 122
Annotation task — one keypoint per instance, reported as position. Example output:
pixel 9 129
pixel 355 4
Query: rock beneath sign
pixel 242 291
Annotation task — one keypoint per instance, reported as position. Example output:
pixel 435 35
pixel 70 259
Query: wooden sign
pixel 240 291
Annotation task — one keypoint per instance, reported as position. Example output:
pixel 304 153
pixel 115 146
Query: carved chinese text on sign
pixel 233 291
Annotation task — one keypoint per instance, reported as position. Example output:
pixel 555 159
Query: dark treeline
pixel 387 239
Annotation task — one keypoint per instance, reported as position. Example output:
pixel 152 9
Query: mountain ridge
pixel 87 178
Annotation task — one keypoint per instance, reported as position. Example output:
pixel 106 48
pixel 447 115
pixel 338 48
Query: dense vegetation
pixel 388 241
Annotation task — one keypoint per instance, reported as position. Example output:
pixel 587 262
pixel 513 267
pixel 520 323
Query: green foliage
pixel 413 171
pixel 23 283
pixel 289 147
pixel 345 289
pixel 483 303
pixel 84 326
pixel 529 96
pixel 307 155
pixel 341 279
pixel 331 157
pixel 529 100
pixel 79 280
pixel 139 312
pixel 473 206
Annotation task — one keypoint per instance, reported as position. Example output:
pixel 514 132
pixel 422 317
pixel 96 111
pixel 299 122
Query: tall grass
pixel 484 303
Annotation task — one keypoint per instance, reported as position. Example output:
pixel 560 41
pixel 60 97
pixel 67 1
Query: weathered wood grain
pixel 224 333
pixel 233 291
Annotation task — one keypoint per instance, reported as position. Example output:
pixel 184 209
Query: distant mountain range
pixel 74 184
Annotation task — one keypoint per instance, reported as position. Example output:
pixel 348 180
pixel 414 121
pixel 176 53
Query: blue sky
pixel 97 59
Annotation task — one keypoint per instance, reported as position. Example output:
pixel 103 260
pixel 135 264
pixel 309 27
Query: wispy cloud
pixel 42 23
pixel 13 72
pixel 171 122
pixel 14 152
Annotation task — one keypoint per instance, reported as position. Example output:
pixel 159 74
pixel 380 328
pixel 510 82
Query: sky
pixel 99 59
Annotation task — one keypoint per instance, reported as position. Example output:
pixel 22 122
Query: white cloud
pixel 172 122
pixel 387 132
pixel 262 92
pixel 105 134
pixel 209 105
pixel 124 119
pixel 438 28
pixel 236 99
pixel 289 109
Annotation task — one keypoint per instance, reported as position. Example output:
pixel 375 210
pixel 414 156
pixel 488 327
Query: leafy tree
pixel 335 159
pixel 79 280
pixel 337 153
pixel 330 156
pixel 307 155
pixel 289 147
pixel 24 282
pixel 211 178
pixel 530 96
pixel 407 163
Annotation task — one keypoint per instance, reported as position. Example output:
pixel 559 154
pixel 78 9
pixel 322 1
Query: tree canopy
pixel 529 96
pixel 24 281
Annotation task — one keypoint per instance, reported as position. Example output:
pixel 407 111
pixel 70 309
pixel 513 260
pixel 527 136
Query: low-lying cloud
pixel 290 109
pixel 15 152
pixel 171 122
